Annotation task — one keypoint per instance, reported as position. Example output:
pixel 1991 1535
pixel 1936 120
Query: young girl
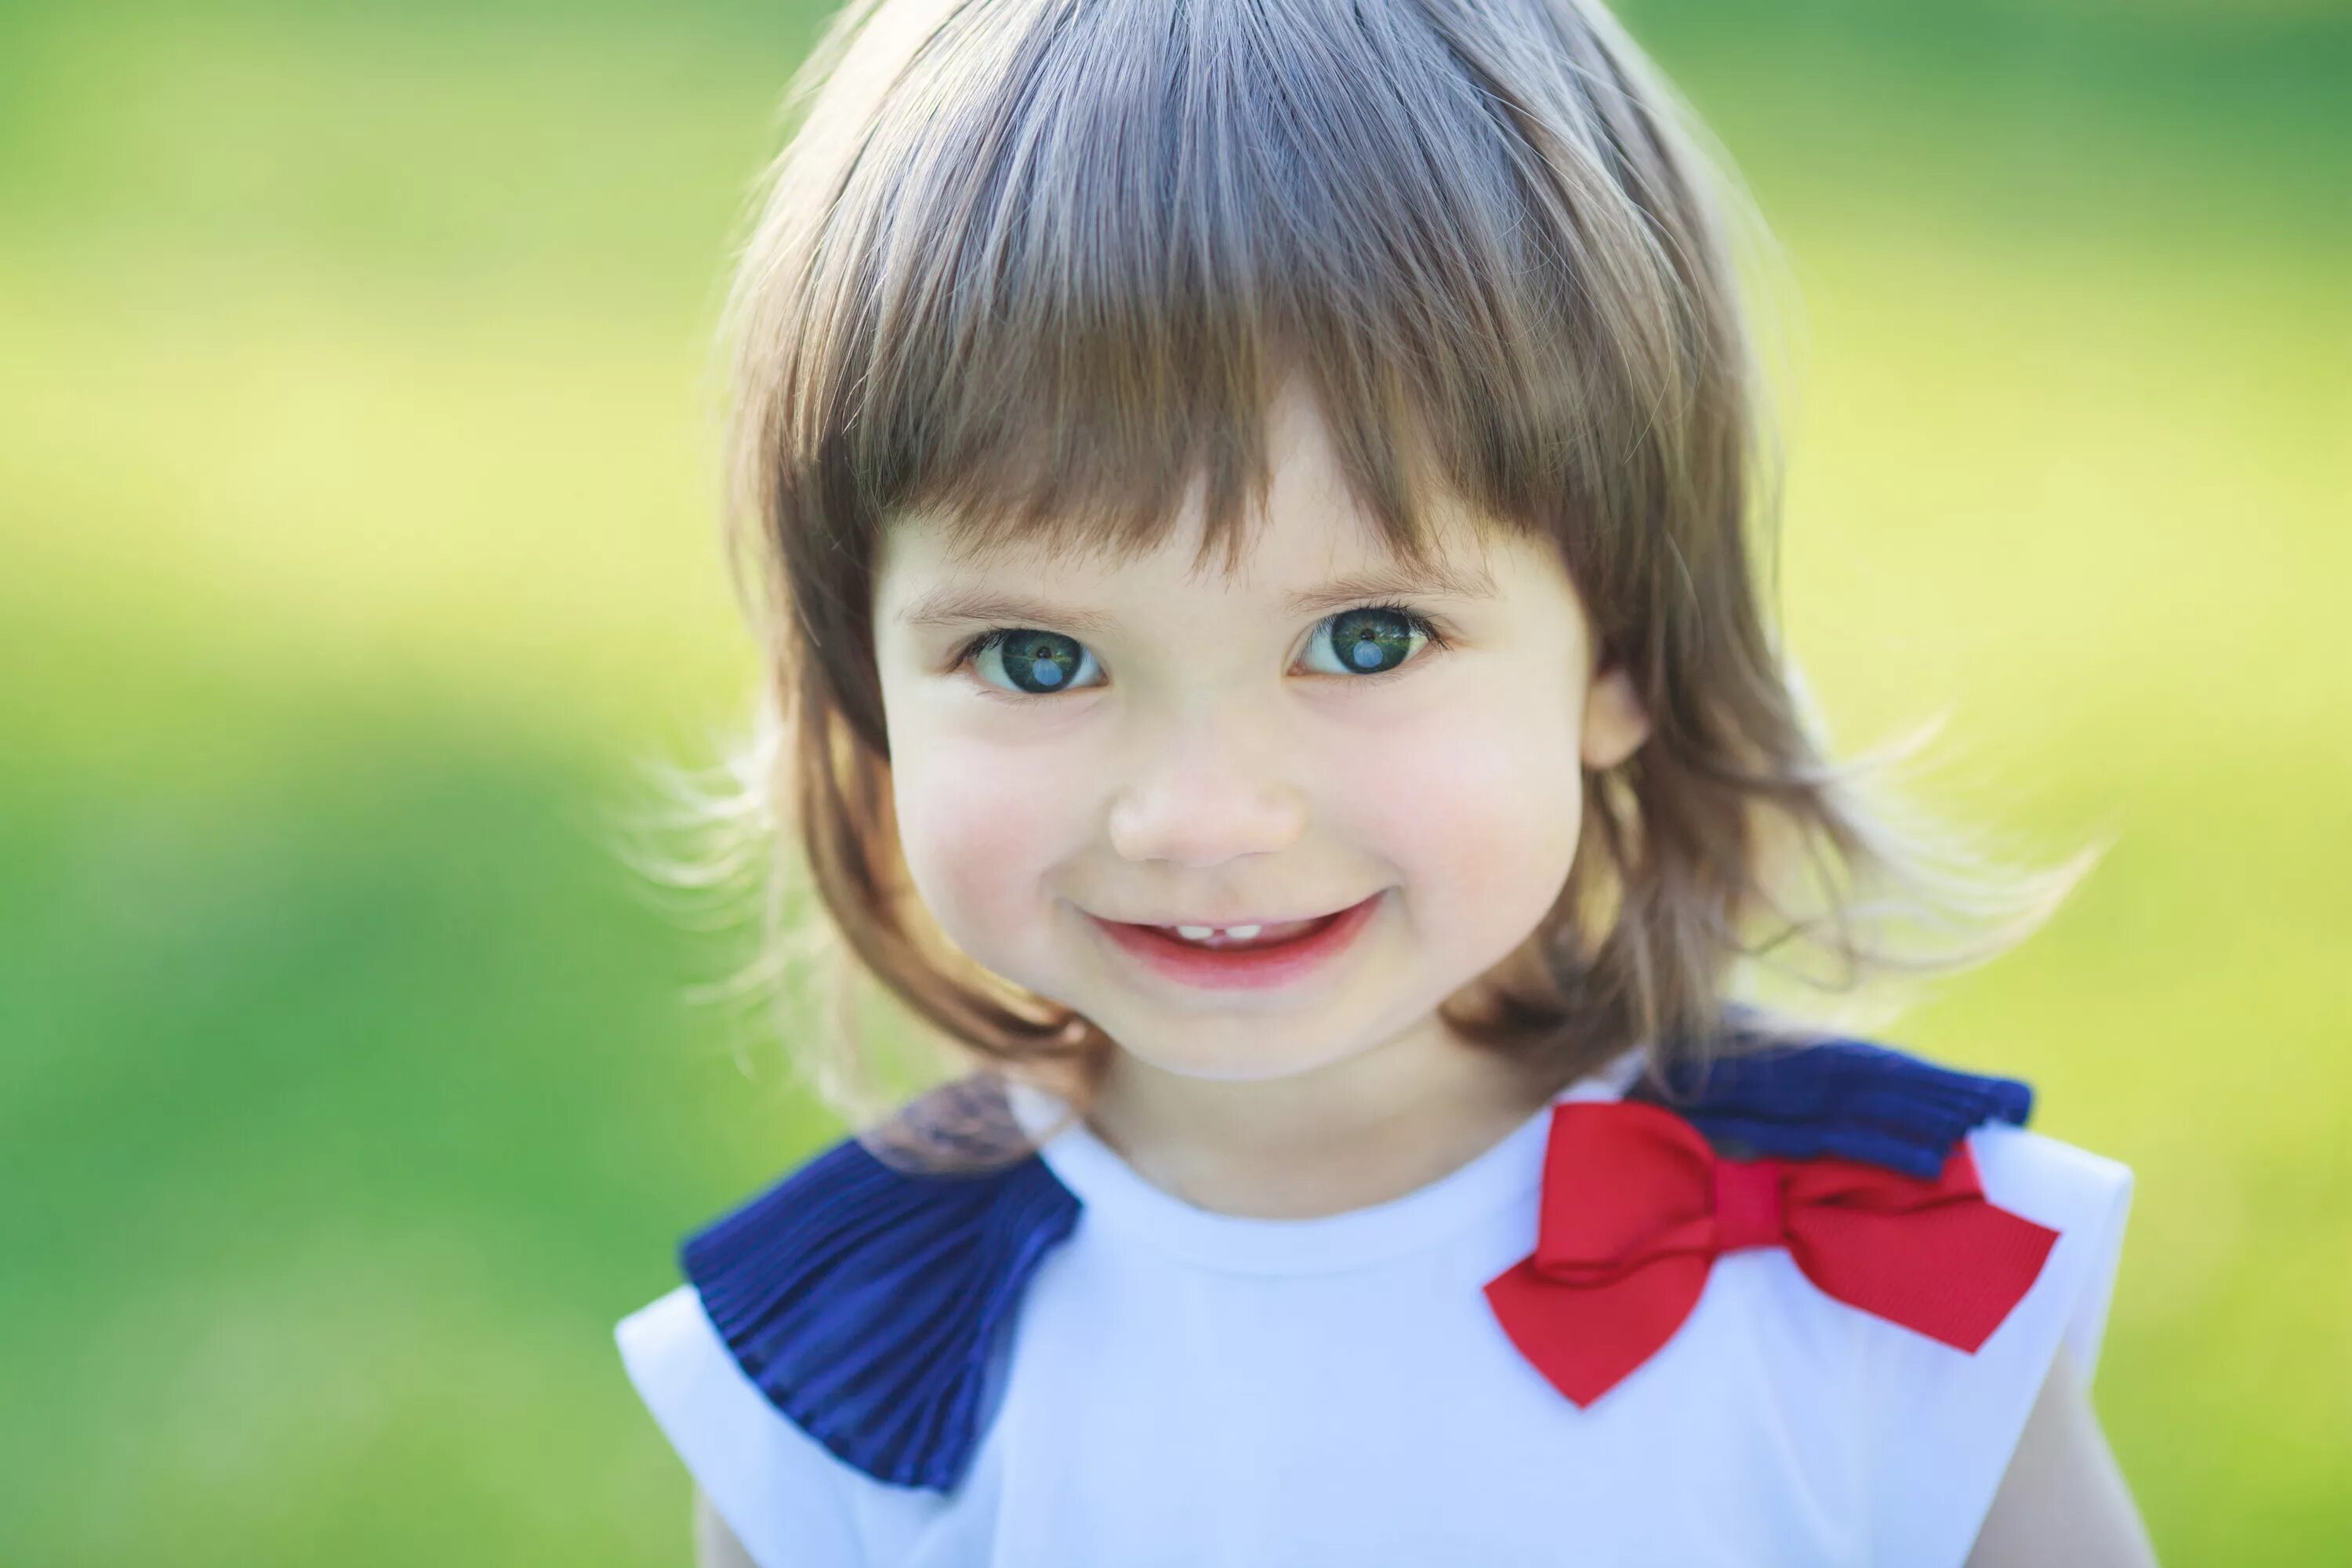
pixel 1257 507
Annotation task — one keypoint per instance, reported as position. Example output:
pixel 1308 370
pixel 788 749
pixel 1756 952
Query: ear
pixel 1614 723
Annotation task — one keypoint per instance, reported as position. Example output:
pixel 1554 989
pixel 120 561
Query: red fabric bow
pixel 1636 1204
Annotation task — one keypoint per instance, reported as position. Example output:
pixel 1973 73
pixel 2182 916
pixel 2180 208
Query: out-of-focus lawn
pixel 356 544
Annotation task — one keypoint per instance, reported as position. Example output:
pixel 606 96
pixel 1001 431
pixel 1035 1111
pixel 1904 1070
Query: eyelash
pixel 1429 629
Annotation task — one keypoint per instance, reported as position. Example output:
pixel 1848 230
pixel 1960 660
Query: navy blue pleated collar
pixel 1847 1098
pixel 868 1302
pixel 865 1301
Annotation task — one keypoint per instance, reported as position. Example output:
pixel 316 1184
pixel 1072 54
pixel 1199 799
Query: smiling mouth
pixel 1271 954
pixel 1247 934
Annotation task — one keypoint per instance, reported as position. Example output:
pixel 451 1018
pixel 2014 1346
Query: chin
pixel 1250 1059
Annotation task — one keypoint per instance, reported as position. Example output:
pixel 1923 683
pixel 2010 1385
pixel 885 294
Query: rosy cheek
pixel 982 830
pixel 1479 812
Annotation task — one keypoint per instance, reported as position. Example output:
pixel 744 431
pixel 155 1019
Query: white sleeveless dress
pixel 1186 1388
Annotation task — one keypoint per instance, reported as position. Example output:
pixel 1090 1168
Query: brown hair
pixel 1036 268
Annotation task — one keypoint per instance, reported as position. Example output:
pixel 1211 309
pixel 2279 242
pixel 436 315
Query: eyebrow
pixel 953 606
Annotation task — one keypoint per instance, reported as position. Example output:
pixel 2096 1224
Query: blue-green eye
pixel 1038 663
pixel 1374 639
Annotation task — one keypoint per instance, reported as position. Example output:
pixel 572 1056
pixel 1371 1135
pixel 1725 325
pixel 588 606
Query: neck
pixel 1361 1130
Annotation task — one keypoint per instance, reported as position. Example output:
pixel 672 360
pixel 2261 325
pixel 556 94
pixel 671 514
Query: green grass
pixel 355 492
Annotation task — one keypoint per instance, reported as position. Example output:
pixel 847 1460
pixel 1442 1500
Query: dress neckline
pixel 1115 1195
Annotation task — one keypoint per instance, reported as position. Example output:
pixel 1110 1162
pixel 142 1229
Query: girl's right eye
pixel 1038 663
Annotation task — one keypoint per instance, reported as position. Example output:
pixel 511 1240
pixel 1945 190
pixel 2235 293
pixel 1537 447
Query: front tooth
pixel 1217 933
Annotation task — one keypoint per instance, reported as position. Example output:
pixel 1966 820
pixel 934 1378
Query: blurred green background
pixel 357 552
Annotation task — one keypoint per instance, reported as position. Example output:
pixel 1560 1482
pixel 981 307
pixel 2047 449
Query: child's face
pixel 1206 756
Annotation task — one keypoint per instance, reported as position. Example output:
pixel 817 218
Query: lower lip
pixel 1243 969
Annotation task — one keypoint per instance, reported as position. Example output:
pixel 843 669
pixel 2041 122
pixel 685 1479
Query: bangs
pixel 1075 251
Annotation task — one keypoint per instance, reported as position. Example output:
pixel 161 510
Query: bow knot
pixel 1636 1206
pixel 1747 1205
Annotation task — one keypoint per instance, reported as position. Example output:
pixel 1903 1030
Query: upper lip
pixel 1224 923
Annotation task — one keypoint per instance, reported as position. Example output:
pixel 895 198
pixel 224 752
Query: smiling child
pixel 1255 511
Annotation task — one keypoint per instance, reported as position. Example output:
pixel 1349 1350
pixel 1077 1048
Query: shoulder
pixel 820 1285
pixel 2087 1199
pixel 1947 1428
pixel 1944 1427
pixel 848 1312
pixel 2048 1180
pixel 1942 1423
pixel 1865 1100
pixel 768 1479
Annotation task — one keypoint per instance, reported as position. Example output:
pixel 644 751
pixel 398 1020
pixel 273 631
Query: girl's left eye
pixel 1368 642
pixel 1376 639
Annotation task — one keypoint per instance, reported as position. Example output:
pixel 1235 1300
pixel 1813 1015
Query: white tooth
pixel 1194 933
pixel 1243 934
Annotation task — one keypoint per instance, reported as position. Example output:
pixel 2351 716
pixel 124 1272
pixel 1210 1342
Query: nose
pixel 1204 800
